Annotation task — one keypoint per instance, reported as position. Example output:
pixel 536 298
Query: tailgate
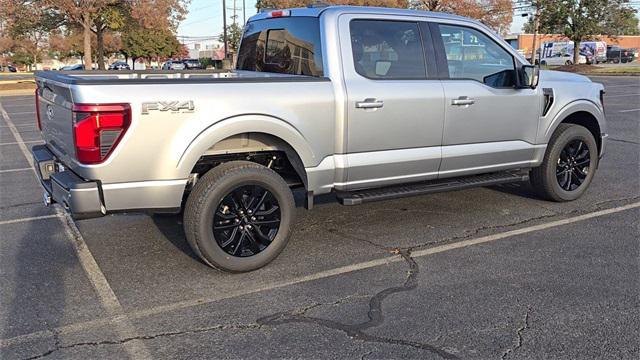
pixel 56 122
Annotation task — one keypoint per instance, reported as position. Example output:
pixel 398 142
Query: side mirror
pixel 530 76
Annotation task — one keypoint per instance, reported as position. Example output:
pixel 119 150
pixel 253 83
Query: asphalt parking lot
pixel 487 273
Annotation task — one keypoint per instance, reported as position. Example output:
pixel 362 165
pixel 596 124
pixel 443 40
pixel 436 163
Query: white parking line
pixel 15 170
pixel 617 86
pixel 135 348
pixel 625 95
pixel 22 113
pixel 92 324
pixel 34 218
pixel 17 126
pixel 630 110
pixel 25 142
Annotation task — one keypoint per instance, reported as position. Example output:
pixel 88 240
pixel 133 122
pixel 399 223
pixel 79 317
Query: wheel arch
pixel 584 113
pixel 243 134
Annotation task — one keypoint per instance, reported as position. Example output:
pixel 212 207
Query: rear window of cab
pixel 288 45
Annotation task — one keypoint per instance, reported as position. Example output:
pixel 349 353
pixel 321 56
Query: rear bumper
pixel 79 197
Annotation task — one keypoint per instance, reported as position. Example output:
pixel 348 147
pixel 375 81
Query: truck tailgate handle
pixel 462 101
pixel 369 103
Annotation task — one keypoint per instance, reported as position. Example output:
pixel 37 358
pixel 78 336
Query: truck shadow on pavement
pixel 170 225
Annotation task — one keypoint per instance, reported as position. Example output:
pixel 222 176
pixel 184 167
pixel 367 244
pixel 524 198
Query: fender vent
pixel 548 100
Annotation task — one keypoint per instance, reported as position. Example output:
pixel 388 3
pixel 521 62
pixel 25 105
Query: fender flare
pixel 570 108
pixel 240 124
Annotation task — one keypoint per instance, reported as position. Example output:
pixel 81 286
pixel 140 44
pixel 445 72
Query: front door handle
pixel 462 101
pixel 369 103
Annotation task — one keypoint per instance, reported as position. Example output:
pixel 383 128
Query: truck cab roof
pixel 316 11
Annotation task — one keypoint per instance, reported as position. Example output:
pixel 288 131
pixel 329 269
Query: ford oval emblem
pixel 49 112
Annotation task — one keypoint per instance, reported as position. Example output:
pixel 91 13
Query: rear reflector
pixel 279 13
pixel 38 111
pixel 97 130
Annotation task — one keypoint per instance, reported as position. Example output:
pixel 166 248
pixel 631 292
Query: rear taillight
pixel 602 99
pixel 97 129
pixel 38 111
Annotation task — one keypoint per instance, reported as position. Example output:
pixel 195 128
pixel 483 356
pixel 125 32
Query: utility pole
pixel 244 12
pixel 224 27
pixel 536 29
pixel 533 10
pixel 235 16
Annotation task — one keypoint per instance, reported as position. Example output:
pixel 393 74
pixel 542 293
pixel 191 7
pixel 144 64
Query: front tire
pixel 568 166
pixel 238 217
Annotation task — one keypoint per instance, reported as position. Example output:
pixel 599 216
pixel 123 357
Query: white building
pixel 206 48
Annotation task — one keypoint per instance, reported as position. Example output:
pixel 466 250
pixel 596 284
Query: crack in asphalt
pixel 519 331
pixel 375 315
pixel 58 346
pixel 357 238
pixel 624 141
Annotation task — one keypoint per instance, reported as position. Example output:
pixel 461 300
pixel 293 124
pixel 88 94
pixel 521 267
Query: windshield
pixel 288 45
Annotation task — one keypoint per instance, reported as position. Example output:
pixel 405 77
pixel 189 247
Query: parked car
pixel 192 64
pixel 562 59
pixel 616 54
pixel 119 65
pixel 367 103
pixel 8 68
pixel 76 67
pixel 173 65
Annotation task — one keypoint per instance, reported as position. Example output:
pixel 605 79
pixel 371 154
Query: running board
pixel 435 186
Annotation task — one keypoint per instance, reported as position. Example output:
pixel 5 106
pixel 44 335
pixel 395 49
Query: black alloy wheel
pixel 246 220
pixel 573 165
pixel 569 164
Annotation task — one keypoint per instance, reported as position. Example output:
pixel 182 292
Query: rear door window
pixel 387 50
pixel 289 45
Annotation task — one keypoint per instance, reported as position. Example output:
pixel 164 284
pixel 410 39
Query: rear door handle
pixel 462 101
pixel 369 103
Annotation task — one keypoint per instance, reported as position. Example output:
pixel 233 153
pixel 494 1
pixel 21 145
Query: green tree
pixel 149 44
pixel 621 18
pixel 28 25
pixel 234 35
pixel 112 17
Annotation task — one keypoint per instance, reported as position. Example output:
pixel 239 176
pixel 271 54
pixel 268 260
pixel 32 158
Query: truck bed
pixel 112 77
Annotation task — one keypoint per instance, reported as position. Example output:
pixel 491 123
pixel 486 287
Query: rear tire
pixel 238 217
pixel 568 166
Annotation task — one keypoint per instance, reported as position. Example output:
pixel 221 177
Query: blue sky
pixel 205 16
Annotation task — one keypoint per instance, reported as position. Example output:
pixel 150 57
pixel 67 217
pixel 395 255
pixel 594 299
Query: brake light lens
pixel 38 111
pixel 97 130
pixel 602 92
pixel 279 13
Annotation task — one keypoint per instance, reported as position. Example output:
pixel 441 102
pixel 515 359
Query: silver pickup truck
pixel 367 103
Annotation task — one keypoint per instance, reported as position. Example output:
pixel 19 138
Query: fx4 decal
pixel 173 106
